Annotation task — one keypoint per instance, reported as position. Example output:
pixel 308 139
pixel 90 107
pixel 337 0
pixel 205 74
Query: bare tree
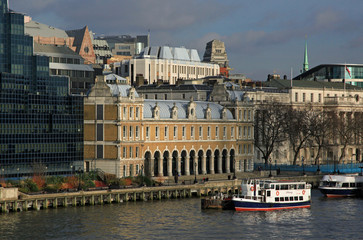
pixel 321 131
pixel 270 120
pixel 298 129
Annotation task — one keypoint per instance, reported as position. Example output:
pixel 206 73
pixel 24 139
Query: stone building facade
pixel 126 134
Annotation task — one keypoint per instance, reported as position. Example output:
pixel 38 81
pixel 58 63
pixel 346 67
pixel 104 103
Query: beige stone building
pixel 126 134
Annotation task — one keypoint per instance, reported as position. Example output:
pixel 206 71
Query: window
pixel 131 132
pixel 240 115
pixel 183 132
pixel 245 115
pixel 124 131
pixel 131 112
pixel 175 131
pixel 312 97
pixel 217 132
pixel 156 132
pixel 99 151
pixel 192 132
pixel 224 132
pixel 137 113
pixel 200 132
pixel 131 152
pixel 239 132
pixel 296 97
pixel 124 152
pixel 136 152
pixel 232 132
pixel 166 96
pixel 249 132
pixel 319 97
pixel 99 132
pixel 137 132
pixel 208 132
pixel 303 97
pixel 99 112
pixel 125 113
pixel 147 132
pixel 249 114
pixel 166 132
pixel 137 169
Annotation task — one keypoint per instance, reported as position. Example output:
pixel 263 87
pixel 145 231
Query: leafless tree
pixel 270 120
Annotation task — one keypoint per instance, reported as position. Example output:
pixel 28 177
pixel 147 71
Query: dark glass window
pixel 99 132
pixel 99 112
pixel 99 151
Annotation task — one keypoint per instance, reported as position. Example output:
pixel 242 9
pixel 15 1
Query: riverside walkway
pixel 185 188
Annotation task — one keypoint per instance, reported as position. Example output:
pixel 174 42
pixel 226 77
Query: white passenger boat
pixel 268 195
pixel 341 185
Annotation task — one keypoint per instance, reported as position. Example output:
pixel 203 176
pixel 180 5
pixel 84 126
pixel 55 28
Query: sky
pixel 261 36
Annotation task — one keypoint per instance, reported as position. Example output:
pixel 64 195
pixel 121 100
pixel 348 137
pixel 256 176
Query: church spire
pixel 306 63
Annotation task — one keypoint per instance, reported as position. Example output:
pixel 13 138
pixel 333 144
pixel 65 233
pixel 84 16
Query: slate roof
pixel 121 89
pixel 39 29
pixel 55 50
pixel 166 106
pixel 182 87
pixel 175 53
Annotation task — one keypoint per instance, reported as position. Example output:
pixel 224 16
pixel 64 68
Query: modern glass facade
pixel 351 73
pixel 41 124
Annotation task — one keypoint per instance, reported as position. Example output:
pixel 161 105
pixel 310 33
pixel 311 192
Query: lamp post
pixel 195 172
pixel 302 161
pixel 270 160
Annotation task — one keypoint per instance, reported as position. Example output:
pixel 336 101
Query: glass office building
pixel 351 73
pixel 41 124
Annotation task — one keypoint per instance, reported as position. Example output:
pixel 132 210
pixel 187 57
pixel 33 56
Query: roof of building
pixel 281 83
pixel 39 29
pixel 166 107
pixel 172 53
pixel 53 50
pixel 78 35
pixel 182 87
pixel 114 77
pixel 121 90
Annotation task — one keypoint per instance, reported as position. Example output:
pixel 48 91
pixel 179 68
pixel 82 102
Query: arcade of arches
pixel 170 163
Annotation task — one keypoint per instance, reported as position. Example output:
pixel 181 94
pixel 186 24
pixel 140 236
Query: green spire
pixel 306 63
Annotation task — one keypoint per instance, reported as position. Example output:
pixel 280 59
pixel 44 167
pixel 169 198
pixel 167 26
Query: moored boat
pixel 218 201
pixel 269 195
pixel 341 185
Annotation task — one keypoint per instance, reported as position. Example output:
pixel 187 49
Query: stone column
pixel 186 165
pixel 170 167
pixel 228 168
pixel 220 164
pixel 151 166
pixel 195 165
pixel 160 162
pixel 204 165
pixel 211 164
pixel 178 165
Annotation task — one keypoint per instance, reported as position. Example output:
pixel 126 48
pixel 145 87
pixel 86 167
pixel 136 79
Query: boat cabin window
pixel 293 186
pixel 291 198
pixel 300 197
pixel 281 199
pixel 301 186
pixel 286 198
pixel 296 198
pixel 345 184
pixel 268 193
pixel 359 184
pixel 352 184
pixel 284 187
pixel 272 186
pixel 277 199
pixel 277 187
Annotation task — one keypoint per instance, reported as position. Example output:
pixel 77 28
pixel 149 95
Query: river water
pixel 184 219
